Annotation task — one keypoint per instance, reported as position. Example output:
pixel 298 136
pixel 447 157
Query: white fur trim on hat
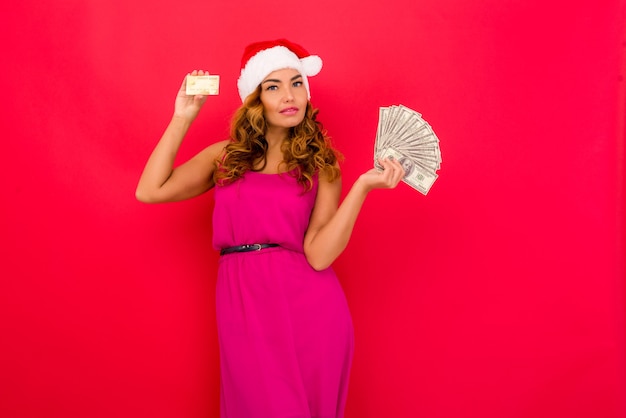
pixel 276 58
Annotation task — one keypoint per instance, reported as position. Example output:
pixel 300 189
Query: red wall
pixel 500 294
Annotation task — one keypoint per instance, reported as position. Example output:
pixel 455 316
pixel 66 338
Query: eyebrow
pixel 275 80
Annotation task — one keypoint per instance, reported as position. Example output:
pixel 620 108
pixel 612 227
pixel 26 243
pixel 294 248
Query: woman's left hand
pixel 388 178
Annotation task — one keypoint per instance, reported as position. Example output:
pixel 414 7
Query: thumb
pixel 199 99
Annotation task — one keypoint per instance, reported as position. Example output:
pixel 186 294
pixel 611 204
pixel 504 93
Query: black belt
pixel 246 248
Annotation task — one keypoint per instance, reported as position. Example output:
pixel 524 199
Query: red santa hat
pixel 262 58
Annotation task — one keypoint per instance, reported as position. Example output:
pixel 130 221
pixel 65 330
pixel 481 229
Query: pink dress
pixel 284 329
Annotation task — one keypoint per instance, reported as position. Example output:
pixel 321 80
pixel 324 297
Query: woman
pixel 284 328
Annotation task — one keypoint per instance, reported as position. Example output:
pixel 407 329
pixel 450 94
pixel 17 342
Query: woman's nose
pixel 288 94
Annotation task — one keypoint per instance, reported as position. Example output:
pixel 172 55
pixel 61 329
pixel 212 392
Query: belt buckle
pixel 257 247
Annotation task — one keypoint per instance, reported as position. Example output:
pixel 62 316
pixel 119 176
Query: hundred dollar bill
pixel 385 122
pixel 416 134
pixel 401 124
pixel 411 122
pixel 383 117
pixel 416 176
pixel 403 134
pixel 429 155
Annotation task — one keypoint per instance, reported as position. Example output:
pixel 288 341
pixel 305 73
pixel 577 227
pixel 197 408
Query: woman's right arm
pixel 160 181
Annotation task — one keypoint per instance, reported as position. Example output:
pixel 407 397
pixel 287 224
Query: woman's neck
pixel 270 162
pixel 276 136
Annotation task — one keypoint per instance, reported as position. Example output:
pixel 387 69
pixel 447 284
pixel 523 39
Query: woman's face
pixel 284 98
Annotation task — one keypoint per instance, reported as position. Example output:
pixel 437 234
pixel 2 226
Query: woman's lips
pixel 289 111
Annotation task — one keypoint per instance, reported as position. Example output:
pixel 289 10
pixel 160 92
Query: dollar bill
pixel 404 135
pixel 415 175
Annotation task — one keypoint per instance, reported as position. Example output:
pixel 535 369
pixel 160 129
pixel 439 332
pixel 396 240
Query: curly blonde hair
pixel 306 151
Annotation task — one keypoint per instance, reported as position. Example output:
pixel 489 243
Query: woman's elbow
pixel 319 266
pixel 143 196
pixel 317 262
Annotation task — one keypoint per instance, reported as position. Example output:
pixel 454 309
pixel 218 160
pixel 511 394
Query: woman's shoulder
pixel 329 173
pixel 220 145
pixel 215 150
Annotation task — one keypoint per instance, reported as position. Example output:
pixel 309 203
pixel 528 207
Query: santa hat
pixel 262 58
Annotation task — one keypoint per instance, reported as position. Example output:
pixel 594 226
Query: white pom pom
pixel 311 65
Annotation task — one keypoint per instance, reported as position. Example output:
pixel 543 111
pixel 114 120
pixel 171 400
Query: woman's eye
pixel 271 88
pixel 297 84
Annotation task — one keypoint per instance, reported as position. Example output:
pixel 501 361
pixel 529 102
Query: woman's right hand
pixel 185 106
pixel 387 178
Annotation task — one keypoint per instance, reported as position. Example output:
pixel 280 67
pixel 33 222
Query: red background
pixel 500 294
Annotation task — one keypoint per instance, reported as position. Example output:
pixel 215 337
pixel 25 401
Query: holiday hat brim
pixel 274 58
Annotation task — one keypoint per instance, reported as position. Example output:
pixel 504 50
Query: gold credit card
pixel 206 85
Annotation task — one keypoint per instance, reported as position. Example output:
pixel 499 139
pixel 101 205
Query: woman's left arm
pixel 331 224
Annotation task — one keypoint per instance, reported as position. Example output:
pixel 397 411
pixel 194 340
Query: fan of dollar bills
pixel 403 135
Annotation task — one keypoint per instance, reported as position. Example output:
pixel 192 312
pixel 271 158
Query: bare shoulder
pixel 327 200
pixel 326 204
pixel 326 184
pixel 213 152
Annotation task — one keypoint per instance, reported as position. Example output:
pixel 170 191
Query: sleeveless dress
pixel 284 329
